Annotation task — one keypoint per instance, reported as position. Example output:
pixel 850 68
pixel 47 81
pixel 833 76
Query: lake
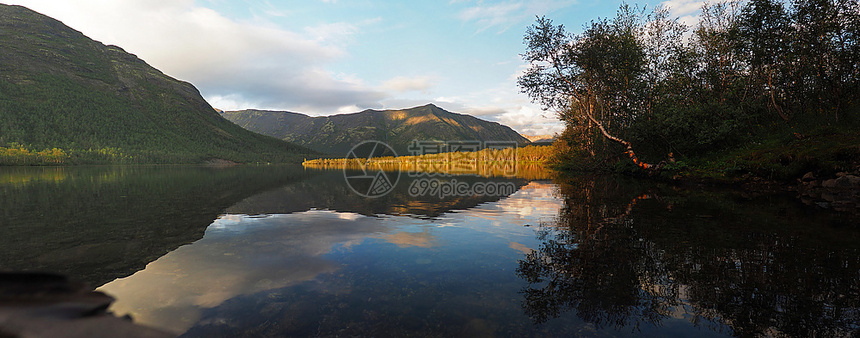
pixel 288 251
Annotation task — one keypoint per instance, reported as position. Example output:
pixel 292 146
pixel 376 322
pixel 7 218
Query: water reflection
pixel 99 223
pixel 731 264
pixel 273 251
pixel 386 274
pixel 23 176
pixel 238 255
pixel 328 190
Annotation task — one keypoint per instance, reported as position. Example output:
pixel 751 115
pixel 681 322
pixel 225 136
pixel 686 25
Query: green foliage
pixel 750 72
pixel 99 104
pixel 696 130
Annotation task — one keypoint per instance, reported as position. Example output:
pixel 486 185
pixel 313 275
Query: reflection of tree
pixel 773 284
pixel 618 260
pixel 593 262
pixel 96 224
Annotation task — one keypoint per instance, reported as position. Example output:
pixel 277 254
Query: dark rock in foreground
pixel 840 194
pixel 49 305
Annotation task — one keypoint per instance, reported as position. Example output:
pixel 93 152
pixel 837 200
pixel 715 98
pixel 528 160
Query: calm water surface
pixel 283 251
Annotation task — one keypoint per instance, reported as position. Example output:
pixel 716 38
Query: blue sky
pixel 322 57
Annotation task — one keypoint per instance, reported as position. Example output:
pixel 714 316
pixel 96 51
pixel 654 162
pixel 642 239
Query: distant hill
pixel 540 139
pixel 97 103
pixel 337 134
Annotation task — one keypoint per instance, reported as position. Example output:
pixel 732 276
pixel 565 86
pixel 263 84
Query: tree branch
pixel 600 126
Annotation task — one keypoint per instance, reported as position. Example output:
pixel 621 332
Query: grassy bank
pixel 824 152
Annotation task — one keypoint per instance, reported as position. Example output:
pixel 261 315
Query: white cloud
pixel 495 15
pixel 514 111
pixel 688 11
pixel 229 102
pixel 338 32
pixel 680 8
pixel 530 120
pixel 257 64
pixel 269 10
pixel 505 104
pixel 231 62
pixel 405 84
pixel 492 112
pixel 507 14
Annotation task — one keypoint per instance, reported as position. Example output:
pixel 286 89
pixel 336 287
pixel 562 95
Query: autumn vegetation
pixel 757 87
pixel 523 162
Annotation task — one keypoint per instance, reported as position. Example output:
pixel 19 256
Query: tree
pixel 826 46
pixel 750 71
pixel 765 26
pixel 594 80
pixel 666 56
pixel 715 40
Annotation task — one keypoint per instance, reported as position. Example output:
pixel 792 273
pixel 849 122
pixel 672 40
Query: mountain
pixel 337 134
pixel 98 103
pixel 542 139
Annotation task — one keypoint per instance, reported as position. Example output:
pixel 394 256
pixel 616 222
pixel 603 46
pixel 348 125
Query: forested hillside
pixel 337 134
pixel 67 99
pixel 761 87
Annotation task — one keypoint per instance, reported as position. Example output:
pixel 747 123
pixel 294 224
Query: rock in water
pixel 50 305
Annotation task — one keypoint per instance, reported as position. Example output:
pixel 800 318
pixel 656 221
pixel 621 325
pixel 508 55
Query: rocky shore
pixel 840 193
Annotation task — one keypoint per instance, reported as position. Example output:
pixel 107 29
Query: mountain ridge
pixel 337 134
pixel 98 103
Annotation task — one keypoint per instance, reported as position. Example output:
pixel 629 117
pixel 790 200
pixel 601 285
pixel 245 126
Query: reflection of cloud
pixel 534 200
pixel 238 255
pixel 349 216
pixel 520 247
pixel 533 204
pixel 423 239
pixel 241 255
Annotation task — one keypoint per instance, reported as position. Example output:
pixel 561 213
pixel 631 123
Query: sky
pixel 323 57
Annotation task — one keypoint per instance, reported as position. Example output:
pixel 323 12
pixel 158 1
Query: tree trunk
pixel 626 144
pixel 773 97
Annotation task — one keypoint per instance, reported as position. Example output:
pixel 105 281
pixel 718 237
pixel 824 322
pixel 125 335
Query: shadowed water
pixel 284 251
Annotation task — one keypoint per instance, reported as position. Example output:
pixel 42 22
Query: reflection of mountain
pixel 99 223
pixel 326 273
pixel 619 258
pixel 329 190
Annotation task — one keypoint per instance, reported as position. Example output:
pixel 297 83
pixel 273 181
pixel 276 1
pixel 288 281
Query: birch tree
pixel 593 79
